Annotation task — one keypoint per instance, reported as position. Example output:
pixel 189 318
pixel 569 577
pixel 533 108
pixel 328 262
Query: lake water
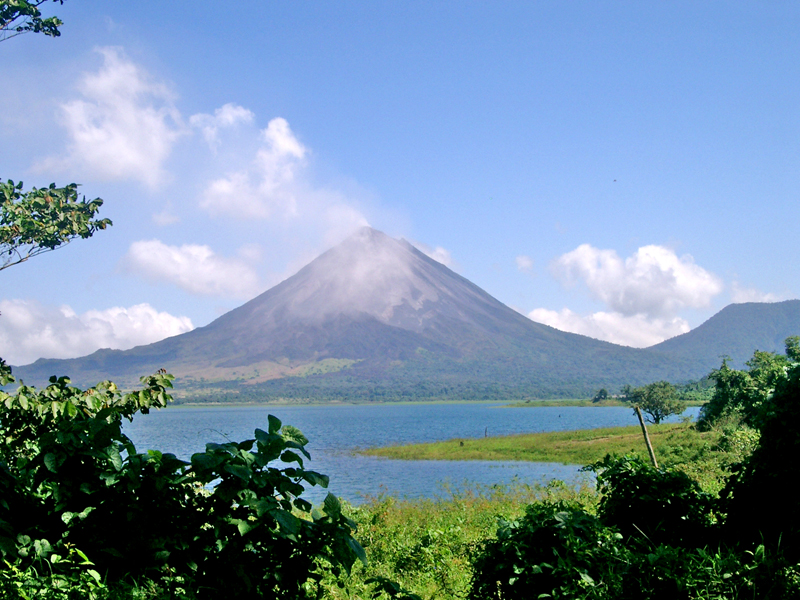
pixel 337 432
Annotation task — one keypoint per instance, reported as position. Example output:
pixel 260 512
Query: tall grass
pixel 426 545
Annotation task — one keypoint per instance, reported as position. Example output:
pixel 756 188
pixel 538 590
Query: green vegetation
pixel 78 518
pixel 654 534
pixel 42 220
pixel 746 394
pixel 706 455
pixel 567 447
pixel 80 505
pixel 567 402
pixel 657 400
pixel 427 546
pixel 23 16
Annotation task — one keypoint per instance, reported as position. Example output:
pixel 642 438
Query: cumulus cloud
pixel 228 115
pixel 643 293
pixel 654 281
pixel 746 294
pixel 628 330
pixel 267 186
pixel 194 268
pixel 439 254
pixel 30 330
pixel 276 185
pixel 524 263
pixel 165 217
pixel 123 128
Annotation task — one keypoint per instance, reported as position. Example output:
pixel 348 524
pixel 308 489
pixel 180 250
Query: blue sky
pixel 620 169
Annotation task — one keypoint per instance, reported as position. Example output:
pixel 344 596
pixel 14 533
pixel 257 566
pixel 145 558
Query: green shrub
pixel 229 524
pixel 665 506
pixel 556 550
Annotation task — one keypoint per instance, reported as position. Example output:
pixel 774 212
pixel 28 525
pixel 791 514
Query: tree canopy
pixel 746 394
pixel 21 16
pixel 657 400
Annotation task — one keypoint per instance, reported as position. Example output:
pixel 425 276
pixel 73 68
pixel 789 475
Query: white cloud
pixel 227 115
pixel 654 281
pixel 275 185
pixel 30 330
pixel 638 330
pixel 745 294
pixel 194 268
pixel 643 294
pixel 441 255
pixel 123 128
pixel 438 254
pixel 165 217
pixel 267 186
pixel 524 263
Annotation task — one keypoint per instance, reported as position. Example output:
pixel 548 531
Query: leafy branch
pixel 42 220
pixel 20 16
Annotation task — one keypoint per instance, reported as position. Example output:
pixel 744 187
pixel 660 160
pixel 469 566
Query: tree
pixel 42 220
pixel 601 395
pixel 747 394
pixel 657 400
pixel 20 16
pixel 761 508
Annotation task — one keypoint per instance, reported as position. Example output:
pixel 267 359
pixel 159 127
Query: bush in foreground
pixel 82 509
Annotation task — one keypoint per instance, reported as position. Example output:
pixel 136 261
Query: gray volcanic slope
pixel 396 318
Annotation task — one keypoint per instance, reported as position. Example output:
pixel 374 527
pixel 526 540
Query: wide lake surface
pixel 337 432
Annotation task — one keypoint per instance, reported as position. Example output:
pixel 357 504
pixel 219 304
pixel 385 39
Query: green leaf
pixel 332 506
pixel 115 458
pixel 274 424
pixel 53 461
pixel 205 461
pixel 315 478
pixel 239 471
pixel 287 521
pixel 357 549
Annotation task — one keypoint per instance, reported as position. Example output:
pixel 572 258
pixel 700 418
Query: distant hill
pixel 376 319
pixel 736 331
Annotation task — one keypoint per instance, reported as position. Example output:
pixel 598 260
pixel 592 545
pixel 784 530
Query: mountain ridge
pixel 374 317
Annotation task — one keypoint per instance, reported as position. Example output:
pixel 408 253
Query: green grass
pixel 586 402
pixel 566 402
pixel 568 447
pixel 706 456
pixel 426 545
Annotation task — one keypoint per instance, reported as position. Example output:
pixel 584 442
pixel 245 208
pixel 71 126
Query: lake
pixel 335 434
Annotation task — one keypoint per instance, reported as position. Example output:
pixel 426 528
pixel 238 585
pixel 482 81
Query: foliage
pixel 556 550
pixel 746 393
pixel 601 395
pixel 759 502
pixel 425 545
pixel 21 16
pixel 665 506
pixel 44 219
pixel 657 400
pixel 71 478
pixel 631 549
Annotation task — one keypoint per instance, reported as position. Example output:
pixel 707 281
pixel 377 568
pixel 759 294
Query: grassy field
pixel 568 447
pixel 703 455
pixel 427 545
pixel 586 402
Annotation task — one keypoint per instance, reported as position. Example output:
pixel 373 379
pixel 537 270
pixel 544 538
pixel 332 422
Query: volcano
pixel 375 318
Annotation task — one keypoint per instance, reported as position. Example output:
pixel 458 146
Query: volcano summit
pixel 375 318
